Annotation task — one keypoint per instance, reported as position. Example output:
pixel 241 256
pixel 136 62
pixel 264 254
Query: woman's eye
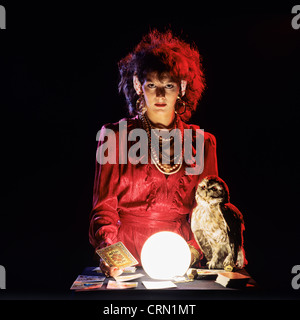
pixel 151 85
pixel 169 86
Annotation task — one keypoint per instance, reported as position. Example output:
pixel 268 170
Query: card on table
pixel 84 282
pixel 84 278
pixel 84 286
pixel 159 284
pixel 121 285
pixel 128 277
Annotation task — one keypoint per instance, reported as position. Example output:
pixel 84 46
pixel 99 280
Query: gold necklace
pixel 161 139
pixel 163 168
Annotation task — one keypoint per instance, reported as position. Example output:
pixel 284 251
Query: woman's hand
pixel 110 271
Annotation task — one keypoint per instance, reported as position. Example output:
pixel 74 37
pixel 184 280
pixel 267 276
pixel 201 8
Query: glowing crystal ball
pixel 165 255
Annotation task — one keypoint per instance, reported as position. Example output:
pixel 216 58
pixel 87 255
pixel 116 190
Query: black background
pixel 58 86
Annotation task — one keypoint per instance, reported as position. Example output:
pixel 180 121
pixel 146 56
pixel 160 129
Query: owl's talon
pixel 211 265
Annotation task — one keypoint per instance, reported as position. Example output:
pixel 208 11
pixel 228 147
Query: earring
pixel 140 104
pixel 137 85
pixel 180 101
pixel 183 87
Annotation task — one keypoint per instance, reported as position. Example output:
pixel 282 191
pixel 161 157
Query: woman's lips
pixel 160 104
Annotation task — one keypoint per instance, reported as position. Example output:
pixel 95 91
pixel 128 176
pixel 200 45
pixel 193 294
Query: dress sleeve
pixel 104 217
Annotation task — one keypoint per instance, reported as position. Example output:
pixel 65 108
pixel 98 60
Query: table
pixel 197 289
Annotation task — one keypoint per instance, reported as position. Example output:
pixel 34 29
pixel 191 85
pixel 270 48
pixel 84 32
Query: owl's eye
pixel 203 187
pixel 213 189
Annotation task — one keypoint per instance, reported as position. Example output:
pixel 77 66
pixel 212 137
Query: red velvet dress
pixel 133 201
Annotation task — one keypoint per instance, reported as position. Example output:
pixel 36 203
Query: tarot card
pixel 84 278
pixel 181 279
pixel 159 284
pixel 117 255
pixel 208 273
pixel 121 285
pixel 84 282
pixel 129 277
pixel 129 270
pixel 83 286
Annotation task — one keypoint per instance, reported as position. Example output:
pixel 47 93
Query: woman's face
pixel 160 95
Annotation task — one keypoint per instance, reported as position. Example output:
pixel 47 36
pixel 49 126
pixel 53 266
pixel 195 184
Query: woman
pixel 162 80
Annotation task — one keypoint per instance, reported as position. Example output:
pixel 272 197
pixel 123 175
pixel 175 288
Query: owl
pixel 218 225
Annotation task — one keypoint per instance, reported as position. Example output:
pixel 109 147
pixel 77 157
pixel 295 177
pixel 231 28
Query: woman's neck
pixel 162 122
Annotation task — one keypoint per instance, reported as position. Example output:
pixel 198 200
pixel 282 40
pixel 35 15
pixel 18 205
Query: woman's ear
pixel 137 85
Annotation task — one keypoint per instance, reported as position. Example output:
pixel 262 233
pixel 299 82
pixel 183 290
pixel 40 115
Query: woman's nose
pixel 160 92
